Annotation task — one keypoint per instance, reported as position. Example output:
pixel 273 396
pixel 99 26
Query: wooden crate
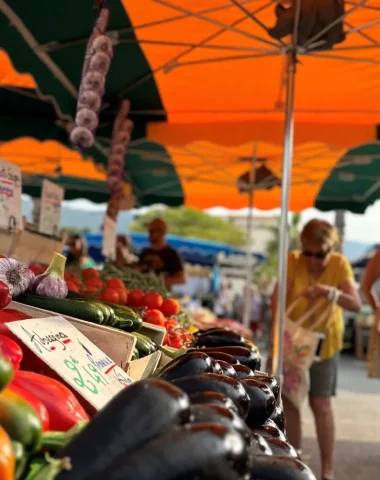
pixel 114 343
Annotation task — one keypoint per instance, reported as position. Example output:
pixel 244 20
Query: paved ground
pixel 357 408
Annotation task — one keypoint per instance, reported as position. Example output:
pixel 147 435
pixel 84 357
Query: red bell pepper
pixel 64 409
pixel 5 296
pixel 29 359
pixel 35 403
pixel 11 351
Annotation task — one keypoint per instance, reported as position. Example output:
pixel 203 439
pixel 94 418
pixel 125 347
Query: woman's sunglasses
pixel 319 255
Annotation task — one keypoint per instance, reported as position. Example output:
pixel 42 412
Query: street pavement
pixel 357 410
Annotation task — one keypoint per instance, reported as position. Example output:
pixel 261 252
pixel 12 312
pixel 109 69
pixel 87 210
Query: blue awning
pixel 194 251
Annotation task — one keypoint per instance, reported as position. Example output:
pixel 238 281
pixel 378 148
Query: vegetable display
pixel 188 421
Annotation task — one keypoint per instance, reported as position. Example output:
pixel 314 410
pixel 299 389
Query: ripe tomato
pixel 76 280
pixel 115 283
pixel 110 295
pixel 135 298
pixel 89 291
pixel 68 276
pixel 73 287
pixel 171 325
pixel 170 307
pixel 152 300
pixel 176 342
pixel 123 295
pixel 90 272
pixel 94 282
pixel 154 317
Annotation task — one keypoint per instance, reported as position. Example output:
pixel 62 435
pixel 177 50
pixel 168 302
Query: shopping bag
pixel 300 351
pixel 373 356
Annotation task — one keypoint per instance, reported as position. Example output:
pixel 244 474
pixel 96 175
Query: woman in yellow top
pixel 315 273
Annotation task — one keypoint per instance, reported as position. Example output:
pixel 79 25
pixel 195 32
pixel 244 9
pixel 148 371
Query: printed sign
pixel 109 238
pixel 10 196
pixel 50 209
pixel 78 361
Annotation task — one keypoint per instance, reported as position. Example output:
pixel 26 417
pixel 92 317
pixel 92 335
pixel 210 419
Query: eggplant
pixel 136 415
pixel 182 453
pixel 213 398
pixel 259 445
pixel 277 467
pixel 271 382
pixel 225 357
pixel 193 363
pixel 216 368
pixel 245 356
pixel 261 402
pixel 217 383
pixel 278 417
pixel 218 340
pixel 242 371
pixel 217 331
pixel 227 369
pixel 270 431
pixel 218 414
pixel 282 447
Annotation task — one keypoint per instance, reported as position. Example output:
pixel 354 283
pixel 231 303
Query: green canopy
pixel 32 113
pixel 354 184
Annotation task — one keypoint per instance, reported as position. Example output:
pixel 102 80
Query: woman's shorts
pixel 323 377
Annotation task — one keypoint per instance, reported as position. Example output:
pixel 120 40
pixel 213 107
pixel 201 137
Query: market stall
pixel 68 382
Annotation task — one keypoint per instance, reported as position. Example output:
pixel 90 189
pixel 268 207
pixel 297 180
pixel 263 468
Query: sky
pixel 359 228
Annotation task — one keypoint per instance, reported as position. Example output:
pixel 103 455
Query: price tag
pixel 50 210
pixel 10 196
pixel 109 238
pixel 78 361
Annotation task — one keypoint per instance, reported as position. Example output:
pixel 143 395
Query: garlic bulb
pixel 86 118
pixel 52 283
pixel 118 150
pixel 116 159
pixel 15 275
pixel 82 137
pixel 100 62
pixel 103 44
pixel 89 99
pixel 94 81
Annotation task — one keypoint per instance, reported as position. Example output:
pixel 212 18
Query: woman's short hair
pixel 321 233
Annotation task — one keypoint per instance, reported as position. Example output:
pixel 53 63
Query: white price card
pixel 52 196
pixel 10 196
pixel 109 238
pixel 77 360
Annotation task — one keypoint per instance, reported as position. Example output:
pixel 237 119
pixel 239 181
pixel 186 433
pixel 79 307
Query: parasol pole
pixel 285 189
pixel 247 293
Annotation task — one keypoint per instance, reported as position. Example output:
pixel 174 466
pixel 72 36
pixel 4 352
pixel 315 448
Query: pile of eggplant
pixel 208 414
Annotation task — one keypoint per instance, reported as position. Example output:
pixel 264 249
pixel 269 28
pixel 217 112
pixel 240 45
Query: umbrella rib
pixel 227 58
pixel 201 157
pixel 192 45
pixel 358 30
pixel 217 23
pixel 343 58
pixel 171 63
pixel 33 44
pixel 332 24
pixel 253 17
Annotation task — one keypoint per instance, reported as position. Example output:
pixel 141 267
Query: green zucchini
pixel 144 344
pixel 127 314
pixel 72 308
pixel 123 323
pixel 135 354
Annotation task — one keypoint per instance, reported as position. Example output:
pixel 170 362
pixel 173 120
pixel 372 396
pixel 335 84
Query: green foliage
pixel 192 223
pixel 267 271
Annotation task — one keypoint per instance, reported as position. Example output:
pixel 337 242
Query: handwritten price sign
pixel 78 361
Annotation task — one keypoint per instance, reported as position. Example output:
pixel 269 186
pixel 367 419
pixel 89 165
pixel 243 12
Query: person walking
pixel 318 273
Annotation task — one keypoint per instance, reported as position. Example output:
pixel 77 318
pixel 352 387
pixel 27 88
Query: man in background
pixel 160 258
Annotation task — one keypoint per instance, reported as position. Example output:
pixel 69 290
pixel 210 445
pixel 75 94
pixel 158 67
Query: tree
pixel 267 271
pixel 192 223
pixel 76 231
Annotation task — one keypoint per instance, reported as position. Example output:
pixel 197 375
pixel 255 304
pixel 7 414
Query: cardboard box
pixel 154 332
pixel 116 344
pixel 144 367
